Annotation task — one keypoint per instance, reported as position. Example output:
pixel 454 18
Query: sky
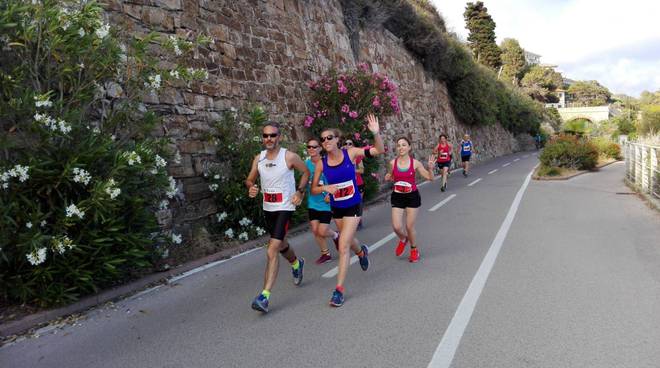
pixel 616 43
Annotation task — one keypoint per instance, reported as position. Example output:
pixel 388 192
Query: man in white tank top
pixel 275 166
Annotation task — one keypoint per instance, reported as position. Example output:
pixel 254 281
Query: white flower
pixel 175 43
pixel 113 137
pixel 111 189
pixel 216 177
pixel 229 233
pixel 81 32
pixel 243 236
pixel 37 257
pixel 42 101
pixel 154 82
pixel 28 225
pixel 175 74
pixel 43 223
pixel 96 130
pixel 52 124
pixel 103 31
pixel 81 65
pixel 81 176
pixel 176 238
pixel 163 204
pixel 260 231
pixel 221 216
pixel 62 244
pixel 133 158
pixel 64 127
pixel 172 189
pixel 160 162
pixel 72 210
pixel 177 158
pixel 245 222
pixel 214 187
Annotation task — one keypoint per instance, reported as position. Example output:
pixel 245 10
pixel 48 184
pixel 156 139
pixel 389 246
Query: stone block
pixel 189 146
pixel 169 4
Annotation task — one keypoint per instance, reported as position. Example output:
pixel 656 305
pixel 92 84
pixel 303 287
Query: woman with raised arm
pixel 341 183
pixel 405 196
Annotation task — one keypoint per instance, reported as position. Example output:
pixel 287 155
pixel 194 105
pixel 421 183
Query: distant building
pixel 532 58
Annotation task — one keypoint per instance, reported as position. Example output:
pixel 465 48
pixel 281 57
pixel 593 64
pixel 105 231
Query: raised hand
pixel 372 121
pixel 388 177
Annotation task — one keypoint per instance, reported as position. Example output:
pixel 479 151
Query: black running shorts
pixel 323 217
pixel 443 164
pixel 277 223
pixel 354 211
pixel 465 158
pixel 406 200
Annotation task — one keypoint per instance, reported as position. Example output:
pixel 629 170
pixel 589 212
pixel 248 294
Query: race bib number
pixel 467 148
pixel 402 187
pixel 345 190
pixel 444 155
pixel 273 196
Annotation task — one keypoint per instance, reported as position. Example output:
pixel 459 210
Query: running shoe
pixel 465 173
pixel 298 274
pixel 336 241
pixel 443 187
pixel 325 257
pixel 260 303
pixel 364 260
pixel 401 247
pixel 337 299
pixel 414 255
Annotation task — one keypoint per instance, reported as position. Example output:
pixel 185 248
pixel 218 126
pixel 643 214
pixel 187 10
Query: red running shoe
pixel 414 255
pixel 401 247
pixel 325 257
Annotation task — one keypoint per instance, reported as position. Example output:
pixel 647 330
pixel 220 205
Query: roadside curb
pixel 559 178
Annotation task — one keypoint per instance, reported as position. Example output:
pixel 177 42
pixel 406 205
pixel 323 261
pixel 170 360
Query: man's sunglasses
pixel 349 143
pixel 312 147
pixel 271 135
pixel 327 138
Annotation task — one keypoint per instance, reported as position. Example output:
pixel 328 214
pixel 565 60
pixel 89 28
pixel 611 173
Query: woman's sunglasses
pixel 312 147
pixel 349 143
pixel 327 138
pixel 271 135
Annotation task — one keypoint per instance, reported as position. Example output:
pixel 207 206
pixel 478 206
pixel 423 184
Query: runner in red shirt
pixel 443 158
pixel 405 196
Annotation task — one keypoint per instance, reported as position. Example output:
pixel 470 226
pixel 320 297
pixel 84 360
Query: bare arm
pixel 427 174
pixel 379 146
pixel 316 188
pixel 252 176
pixel 297 163
pixel 360 168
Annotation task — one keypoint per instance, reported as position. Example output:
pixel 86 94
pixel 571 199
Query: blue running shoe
pixel 337 299
pixel 260 303
pixel 364 260
pixel 298 274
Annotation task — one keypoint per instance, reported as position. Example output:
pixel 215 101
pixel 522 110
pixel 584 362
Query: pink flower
pixel 311 84
pixel 341 87
pixel 327 87
pixel 364 67
pixel 324 113
pixel 316 104
pixel 356 136
pixel 308 121
pixel 319 114
pixel 353 114
pixel 345 108
pixel 376 102
pixel 343 120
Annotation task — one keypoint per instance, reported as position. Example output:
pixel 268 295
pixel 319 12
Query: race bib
pixel 273 196
pixel 402 187
pixel 467 148
pixel 444 155
pixel 345 190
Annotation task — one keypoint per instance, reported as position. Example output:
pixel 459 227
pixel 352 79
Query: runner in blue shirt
pixel 466 152
pixel 318 206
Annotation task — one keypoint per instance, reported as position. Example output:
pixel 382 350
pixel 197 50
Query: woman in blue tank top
pixel 339 171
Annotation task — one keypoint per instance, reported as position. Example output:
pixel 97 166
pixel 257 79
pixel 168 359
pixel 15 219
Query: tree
pixel 482 35
pixel 540 83
pixel 589 93
pixel 650 98
pixel 650 123
pixel 513 61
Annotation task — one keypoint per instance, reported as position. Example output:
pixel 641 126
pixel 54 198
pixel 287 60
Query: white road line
pixel 492 171
pixel 373 247
pixel 442 203
pixel 209 265
pixel 444 353
pixel 506 164
pixel 517 159
pixel 474 182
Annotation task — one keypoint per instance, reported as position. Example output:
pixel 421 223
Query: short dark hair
pixel 273 124
pixel 404 138
pixel 443 135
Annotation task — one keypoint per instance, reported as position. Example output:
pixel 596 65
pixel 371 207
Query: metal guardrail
pixel 642 168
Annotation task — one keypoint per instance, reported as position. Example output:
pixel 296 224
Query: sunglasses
pixel 349 143
pixel 327 138
pixel 312 147
pixel 271 135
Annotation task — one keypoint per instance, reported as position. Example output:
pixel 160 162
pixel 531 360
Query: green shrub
pixel 79 183
pixel 569 152
pixel 548 171
pixel 607 148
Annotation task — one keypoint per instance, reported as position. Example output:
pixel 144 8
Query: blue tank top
pixel 316 202
pixel 466 148
pixel 342 175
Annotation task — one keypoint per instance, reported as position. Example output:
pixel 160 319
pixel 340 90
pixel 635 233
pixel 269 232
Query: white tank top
pixel 278 185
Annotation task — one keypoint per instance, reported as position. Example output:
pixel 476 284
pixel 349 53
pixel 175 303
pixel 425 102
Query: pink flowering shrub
pixel 343 100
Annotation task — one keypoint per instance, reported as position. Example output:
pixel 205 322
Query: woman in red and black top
pixel 443 153
pixel 405 196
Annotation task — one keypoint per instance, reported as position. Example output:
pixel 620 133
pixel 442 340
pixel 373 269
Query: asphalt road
pixel 513 273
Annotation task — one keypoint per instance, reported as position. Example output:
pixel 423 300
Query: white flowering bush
pixel 79 178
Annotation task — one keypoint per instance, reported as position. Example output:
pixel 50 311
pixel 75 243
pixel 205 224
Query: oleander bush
pixel 80 180
pixel 568 151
